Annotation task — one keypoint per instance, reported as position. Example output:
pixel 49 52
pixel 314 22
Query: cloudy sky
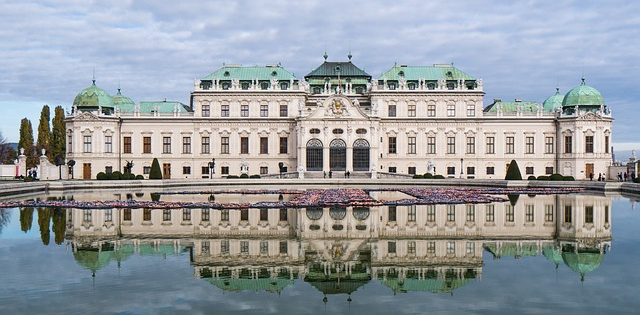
pixel 524 49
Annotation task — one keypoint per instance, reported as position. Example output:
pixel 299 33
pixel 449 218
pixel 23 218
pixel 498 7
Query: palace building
pixel 338 118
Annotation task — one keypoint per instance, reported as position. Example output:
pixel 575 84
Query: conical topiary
pixel 513 172
pixel 156 172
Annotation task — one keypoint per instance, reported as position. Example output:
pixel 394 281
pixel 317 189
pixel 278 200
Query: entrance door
pixel 588 170
pixel 338 155
pixel 166 171
pixel 86 171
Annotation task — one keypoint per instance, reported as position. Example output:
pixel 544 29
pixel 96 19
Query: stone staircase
pixel 337 175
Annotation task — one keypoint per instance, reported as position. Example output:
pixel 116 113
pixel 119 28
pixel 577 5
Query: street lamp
pixel 461 168
pixel 281 168
pixel 71 164
pixel 212 167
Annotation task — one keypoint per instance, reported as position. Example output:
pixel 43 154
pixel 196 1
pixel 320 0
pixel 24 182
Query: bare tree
pixel 7 153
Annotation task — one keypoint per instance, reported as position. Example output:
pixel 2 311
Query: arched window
pixel 361 213
pixel 338 213
pixel 361 155
pixel 314 213
pixel 338 155
pixel 314 155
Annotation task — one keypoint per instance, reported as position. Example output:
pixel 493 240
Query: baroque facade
pixel 410 120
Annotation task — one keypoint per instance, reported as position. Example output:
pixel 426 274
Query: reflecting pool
pixel 571 254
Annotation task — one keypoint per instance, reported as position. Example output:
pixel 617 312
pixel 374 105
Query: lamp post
pixel 461 168
pixel 280 168
pixel 212 167
pixel 70 164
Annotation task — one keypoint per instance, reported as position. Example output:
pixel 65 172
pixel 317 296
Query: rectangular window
pixel 412 145
pixel 244 110
pixel 264 110
pixel 205 111
pixel 244 215
pixel 411 213
pixel 431 213
pixel 284 247
pixel 529 145
pixel 204 170
pixel 606 214
pixel 509 213
pixel 411 170
pixel 108 144
pixel 108 169
pixel 206 248
pixel 451 145
pixel 451 247
pixel 166 215
pixel 567 214
pixel 284 214
pixel 224 111
pixel 224 247
pixel 87 144
pixel 224 215
pixel 529 213
pixel 284 110
pixel 108 215
pixel 588 144
pixel 548 170
pixel 588 214
pixel 489 212
pixel 431 247
pixel 431 145
pixel 471 110
pixel 568 144
pixel 224 145
pixel 126 214
pixel 244 145
pixel 186 145
pixel 471 170
pixel 146 170
pixel 510 145
pixel 392 110
pixel 205 215
pixel 186 214
pixel 471 248
pixel 264 145
pixel 206 145
pixel 431 110
pixel 166 145
pixel 244 247
pixel 411 247
pixel 606 144
pixel 548 213
pixel 548 145
pixel 146 145
pixel 264 247
pixel 186 170
pixel 224 170
pixel 146 215
pixel 471 213
pixel 392 213
pixel 264 170
pixel 264 214
pixel 392 169
pixel 86 215
pixel 471 145
pixel 126 145
pixel 411 112
pixel 284 145
pixel 451 213
pixel 491 170
pixel 491 145
pixel 529 170
pixel 451 110
pixel 391 247
pixel 451 170
pixel 392 145
pixel 70 143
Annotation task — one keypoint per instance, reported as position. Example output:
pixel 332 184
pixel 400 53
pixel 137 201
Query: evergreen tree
pixel 44 132
pixel 26 219
pixel 26 142
pixel 44 221
pixel 156 172
pixel 59 226
pixel 58 134
pixel 513 172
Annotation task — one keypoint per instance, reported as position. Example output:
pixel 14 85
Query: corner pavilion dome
pixel 553 102
pixel 583 95
pixel 123 102
pixel 93 97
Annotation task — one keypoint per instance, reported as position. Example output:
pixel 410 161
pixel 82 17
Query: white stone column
pixel 349 166
pixel 325 157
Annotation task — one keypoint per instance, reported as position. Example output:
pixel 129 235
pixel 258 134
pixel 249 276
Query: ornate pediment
pixel 338 106
pixel 590 116
pixel 86 116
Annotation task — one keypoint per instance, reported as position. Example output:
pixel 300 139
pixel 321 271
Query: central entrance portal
pixel 338 155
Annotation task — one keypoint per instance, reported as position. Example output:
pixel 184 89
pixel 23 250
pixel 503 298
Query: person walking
pixel 330 174
pixel 324 174
pixel 591 176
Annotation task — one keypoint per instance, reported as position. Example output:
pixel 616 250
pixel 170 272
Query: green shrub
pixel 244 176
pixel 418 176
pixel 637 180
pixel 555 177
pixel 568 178
pixel 513 172
pixel 427 176
pixel 116 175
pixel 531 177
pixel 101 176
pixel 543 177
pixel 155 197
pixel 254 176
pixel 438 177
pixel 156 172
pixel 232 176
pixel 139 177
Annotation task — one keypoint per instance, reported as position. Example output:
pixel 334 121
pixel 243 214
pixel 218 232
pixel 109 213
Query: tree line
pixel 50 137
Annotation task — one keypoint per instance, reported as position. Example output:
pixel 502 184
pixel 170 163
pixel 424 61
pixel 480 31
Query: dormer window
pixel 284 85
pixel 412 86
pixel 226 74
pixel 317 90
pixel 225 86
pixel 337 68
pixel 274 73
pixel 401 73
pixel 471 85
pixel 431 86
pixel 264 85
pixel 451 85
pixel 449 74
pixel 245 85
pixel 392 86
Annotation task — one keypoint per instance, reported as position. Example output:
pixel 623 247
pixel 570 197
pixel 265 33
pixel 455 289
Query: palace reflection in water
pixel 432 248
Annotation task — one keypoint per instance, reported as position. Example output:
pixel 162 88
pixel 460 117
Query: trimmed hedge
pixel 438 177
pixel 568 178
pixel 531 177
pixel 427 175
pixel 156 172
pixel 101 176
pixel 232 177
pixel 543 177
pixel 254 176
pixel 637 180
pixel 117 175
pixel 513 172
pixel 244 176
pixel 418 176
pixel 556 177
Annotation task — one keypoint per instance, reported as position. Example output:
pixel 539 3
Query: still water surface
pixel 570 254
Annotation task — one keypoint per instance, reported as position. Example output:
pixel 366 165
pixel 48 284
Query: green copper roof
pixel 509 107
pixel 424 285
pixel 582 262
pixel 93 260
pixel 583 95
pixel 334 81
pixel 160 106
pixel 552 253
pixel 121 100
pixel 261 284
pixel 435 72
pixel 333 68
pixel 553 102
pixel 262 73
pixel 93 96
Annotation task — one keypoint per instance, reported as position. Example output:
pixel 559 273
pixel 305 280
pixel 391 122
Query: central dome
pixel 582 95
pixel 93 97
